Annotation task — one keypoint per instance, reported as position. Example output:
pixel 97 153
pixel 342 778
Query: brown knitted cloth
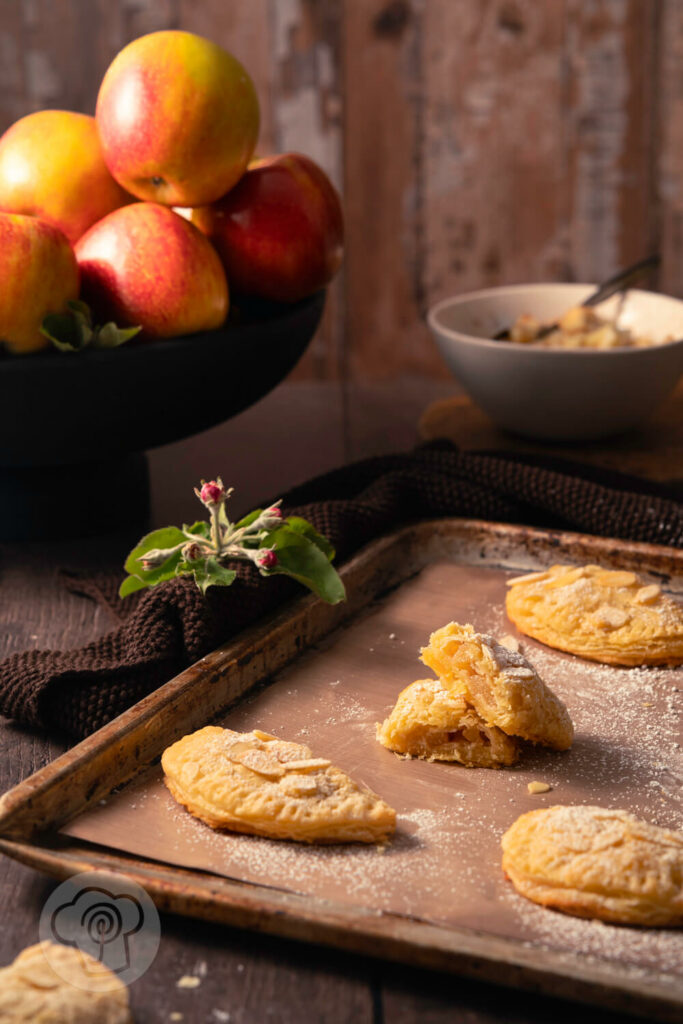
pixel 167 628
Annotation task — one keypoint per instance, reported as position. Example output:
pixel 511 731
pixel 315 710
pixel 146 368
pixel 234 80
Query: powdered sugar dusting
pixel 444 864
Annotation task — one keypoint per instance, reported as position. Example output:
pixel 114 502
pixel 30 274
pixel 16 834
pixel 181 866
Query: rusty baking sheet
pixel 437 895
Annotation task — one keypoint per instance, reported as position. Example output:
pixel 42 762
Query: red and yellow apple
pixel 178 119
pixel 144 265
pixel 38 275
pixel 280 231
pixel 51 166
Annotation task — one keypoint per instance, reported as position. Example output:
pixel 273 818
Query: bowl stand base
pixel 64 502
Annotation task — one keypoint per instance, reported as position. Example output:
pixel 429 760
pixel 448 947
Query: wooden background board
pixel 475 143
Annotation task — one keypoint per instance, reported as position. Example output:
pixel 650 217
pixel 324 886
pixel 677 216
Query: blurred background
pixel 475 143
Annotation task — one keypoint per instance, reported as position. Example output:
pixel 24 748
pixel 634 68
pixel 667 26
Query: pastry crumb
pixel 511 642
pixel 188 981
pixel 539 787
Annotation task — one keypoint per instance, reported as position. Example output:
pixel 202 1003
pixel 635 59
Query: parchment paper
pixel 444 864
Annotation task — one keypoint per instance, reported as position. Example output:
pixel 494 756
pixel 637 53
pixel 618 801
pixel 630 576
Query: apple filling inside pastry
pixel 431 723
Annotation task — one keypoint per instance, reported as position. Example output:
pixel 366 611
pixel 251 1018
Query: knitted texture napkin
pixel 165 629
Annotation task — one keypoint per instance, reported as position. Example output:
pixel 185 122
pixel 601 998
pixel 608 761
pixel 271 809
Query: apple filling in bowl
pixel 579 327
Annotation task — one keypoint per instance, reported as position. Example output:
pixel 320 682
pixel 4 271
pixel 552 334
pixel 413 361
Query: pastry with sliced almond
pixel 503 687
pixel 53 984
pixel 598 863
pixel 430 722
pixel 606 615
pixel 256 783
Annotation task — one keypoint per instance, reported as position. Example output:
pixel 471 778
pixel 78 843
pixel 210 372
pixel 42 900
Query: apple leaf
pixel 212 574
pixel 111 336
pixel 74 330
pixel 303 559
pixel 307 529
pixel 66 332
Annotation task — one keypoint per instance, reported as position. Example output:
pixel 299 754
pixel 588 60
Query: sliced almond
pixel 616 578
pixel 262 735
pixel 306 765
pixel 614 618
pixel 567 578
pixel 261 762
pixel 519 673
pixel 538 787
pixel 531 577
pixel 298 785
pixel 285 751
pixel 646 595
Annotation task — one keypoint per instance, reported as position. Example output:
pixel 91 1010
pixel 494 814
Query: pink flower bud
pixel 267 558
pixel 192 552
pixel 212 493
pixel 275 512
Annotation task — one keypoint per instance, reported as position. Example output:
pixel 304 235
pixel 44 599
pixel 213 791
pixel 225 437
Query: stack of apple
pixel 153 211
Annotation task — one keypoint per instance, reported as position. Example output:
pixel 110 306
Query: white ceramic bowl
pixel 559 394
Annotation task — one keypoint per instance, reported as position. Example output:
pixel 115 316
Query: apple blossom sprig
pixel 273 544
pixel 75 330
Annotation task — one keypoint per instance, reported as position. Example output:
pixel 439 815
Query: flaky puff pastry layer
pixel 430 722
pixel 606 615
pixel 501 685
pixel 597 863
pixel 256 783
pixel 54 984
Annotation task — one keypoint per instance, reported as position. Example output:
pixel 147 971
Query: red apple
pixel 51 166
pixel 178 119
pixel 280 231
pixel 144 265
pixel 38 275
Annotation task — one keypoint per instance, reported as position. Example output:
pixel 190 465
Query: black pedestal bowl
pixel 73 425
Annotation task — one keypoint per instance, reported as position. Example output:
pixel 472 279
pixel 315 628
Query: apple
pixel 51 166
pixel 280 231
pixel 178 119
pixel 38 275
pixel 144 265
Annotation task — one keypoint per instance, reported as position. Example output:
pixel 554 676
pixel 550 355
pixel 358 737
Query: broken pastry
pixel 604 615
pixel 430 722
pixel 253 782
pixel 50 983
pixel 597 863
pixel 501 685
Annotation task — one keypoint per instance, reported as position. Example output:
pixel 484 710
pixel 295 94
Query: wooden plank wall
pixel 476 142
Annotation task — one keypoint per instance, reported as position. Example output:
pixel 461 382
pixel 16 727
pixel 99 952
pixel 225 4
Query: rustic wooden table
pixel 245 978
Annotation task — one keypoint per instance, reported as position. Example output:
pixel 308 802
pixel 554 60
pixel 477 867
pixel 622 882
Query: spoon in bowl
pixel 617 283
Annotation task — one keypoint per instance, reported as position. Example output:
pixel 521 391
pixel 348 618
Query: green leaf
pixel 198 529
pixel 130 585
pixel 66 331
pixel 249 519
pixel 307 529
pixel 168 537
pixel 81 309
pixel 73 331
pixel 111 336
pixel 303 560
pixel 212 574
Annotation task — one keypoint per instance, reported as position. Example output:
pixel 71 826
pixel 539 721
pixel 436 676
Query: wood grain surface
pixel 474 143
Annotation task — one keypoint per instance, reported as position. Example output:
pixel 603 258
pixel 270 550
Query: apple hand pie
pixel 500 684
pixel 53 983
pixel 604 615
pixel 255 783
pixel 430 722
pixel 597 863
